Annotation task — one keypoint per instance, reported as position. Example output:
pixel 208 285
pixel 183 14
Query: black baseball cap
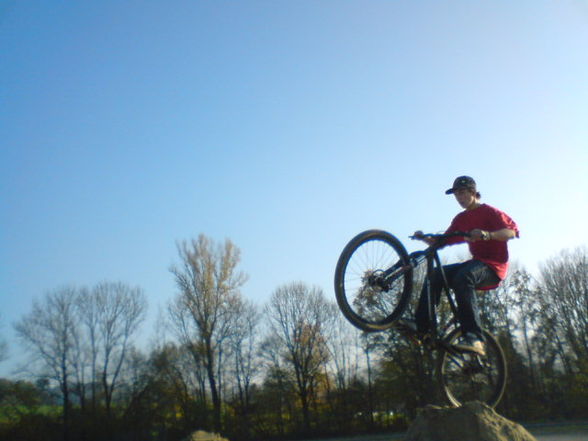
pixel 462 182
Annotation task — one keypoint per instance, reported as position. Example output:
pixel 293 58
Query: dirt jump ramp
pixel 474 421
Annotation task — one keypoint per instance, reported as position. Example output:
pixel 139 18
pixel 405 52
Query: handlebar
pixel 431 250
pixel 441 236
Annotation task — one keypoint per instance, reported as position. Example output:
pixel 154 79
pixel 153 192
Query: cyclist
pixel 489 229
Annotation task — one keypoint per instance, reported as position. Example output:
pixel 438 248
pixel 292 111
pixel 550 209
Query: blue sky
pixel 286 126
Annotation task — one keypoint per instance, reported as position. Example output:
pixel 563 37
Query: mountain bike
pixel 374 284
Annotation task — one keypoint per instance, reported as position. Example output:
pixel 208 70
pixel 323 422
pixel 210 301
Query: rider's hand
pixel 419 235
pixel 476 235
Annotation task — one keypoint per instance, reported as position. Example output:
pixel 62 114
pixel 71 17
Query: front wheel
pixel 470 377
pixel 373 280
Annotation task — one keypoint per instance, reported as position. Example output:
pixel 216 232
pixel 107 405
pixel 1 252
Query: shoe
pixel 471 343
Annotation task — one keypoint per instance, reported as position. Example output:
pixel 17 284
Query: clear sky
pixel 286 126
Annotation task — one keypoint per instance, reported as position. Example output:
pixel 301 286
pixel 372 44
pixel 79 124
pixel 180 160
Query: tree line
pixel 291 368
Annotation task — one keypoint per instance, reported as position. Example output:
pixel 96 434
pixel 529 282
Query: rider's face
pixel 465 197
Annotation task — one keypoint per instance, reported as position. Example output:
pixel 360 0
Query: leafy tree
pixel 205 310
pixel 298 317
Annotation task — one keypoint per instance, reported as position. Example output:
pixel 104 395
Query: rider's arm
pixel 502 235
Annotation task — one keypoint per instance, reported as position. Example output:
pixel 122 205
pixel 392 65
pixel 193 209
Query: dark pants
pixel 463 278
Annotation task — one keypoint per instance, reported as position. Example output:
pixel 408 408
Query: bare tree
pixel 51 332
pixel 112 313
pixel 89 310
pixel 299 317
pixel 563 290
pixel 344 349
pixel 204 312
pixel 82 335
pixel 524 313
pixel 244 346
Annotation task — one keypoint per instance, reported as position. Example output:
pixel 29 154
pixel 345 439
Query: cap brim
pixel 450 191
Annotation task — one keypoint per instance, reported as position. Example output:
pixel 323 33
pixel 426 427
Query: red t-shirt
pixel 493 253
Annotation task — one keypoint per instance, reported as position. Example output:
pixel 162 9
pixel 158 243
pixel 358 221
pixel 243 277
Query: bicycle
pixel 373 286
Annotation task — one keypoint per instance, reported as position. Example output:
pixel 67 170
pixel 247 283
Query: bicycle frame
pixel 431 256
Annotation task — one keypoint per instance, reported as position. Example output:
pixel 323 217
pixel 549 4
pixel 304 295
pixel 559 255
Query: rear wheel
pixel 466 376
pixel 373 280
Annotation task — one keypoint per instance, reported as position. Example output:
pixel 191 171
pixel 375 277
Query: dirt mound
pixel 473 421
pixel 201 435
